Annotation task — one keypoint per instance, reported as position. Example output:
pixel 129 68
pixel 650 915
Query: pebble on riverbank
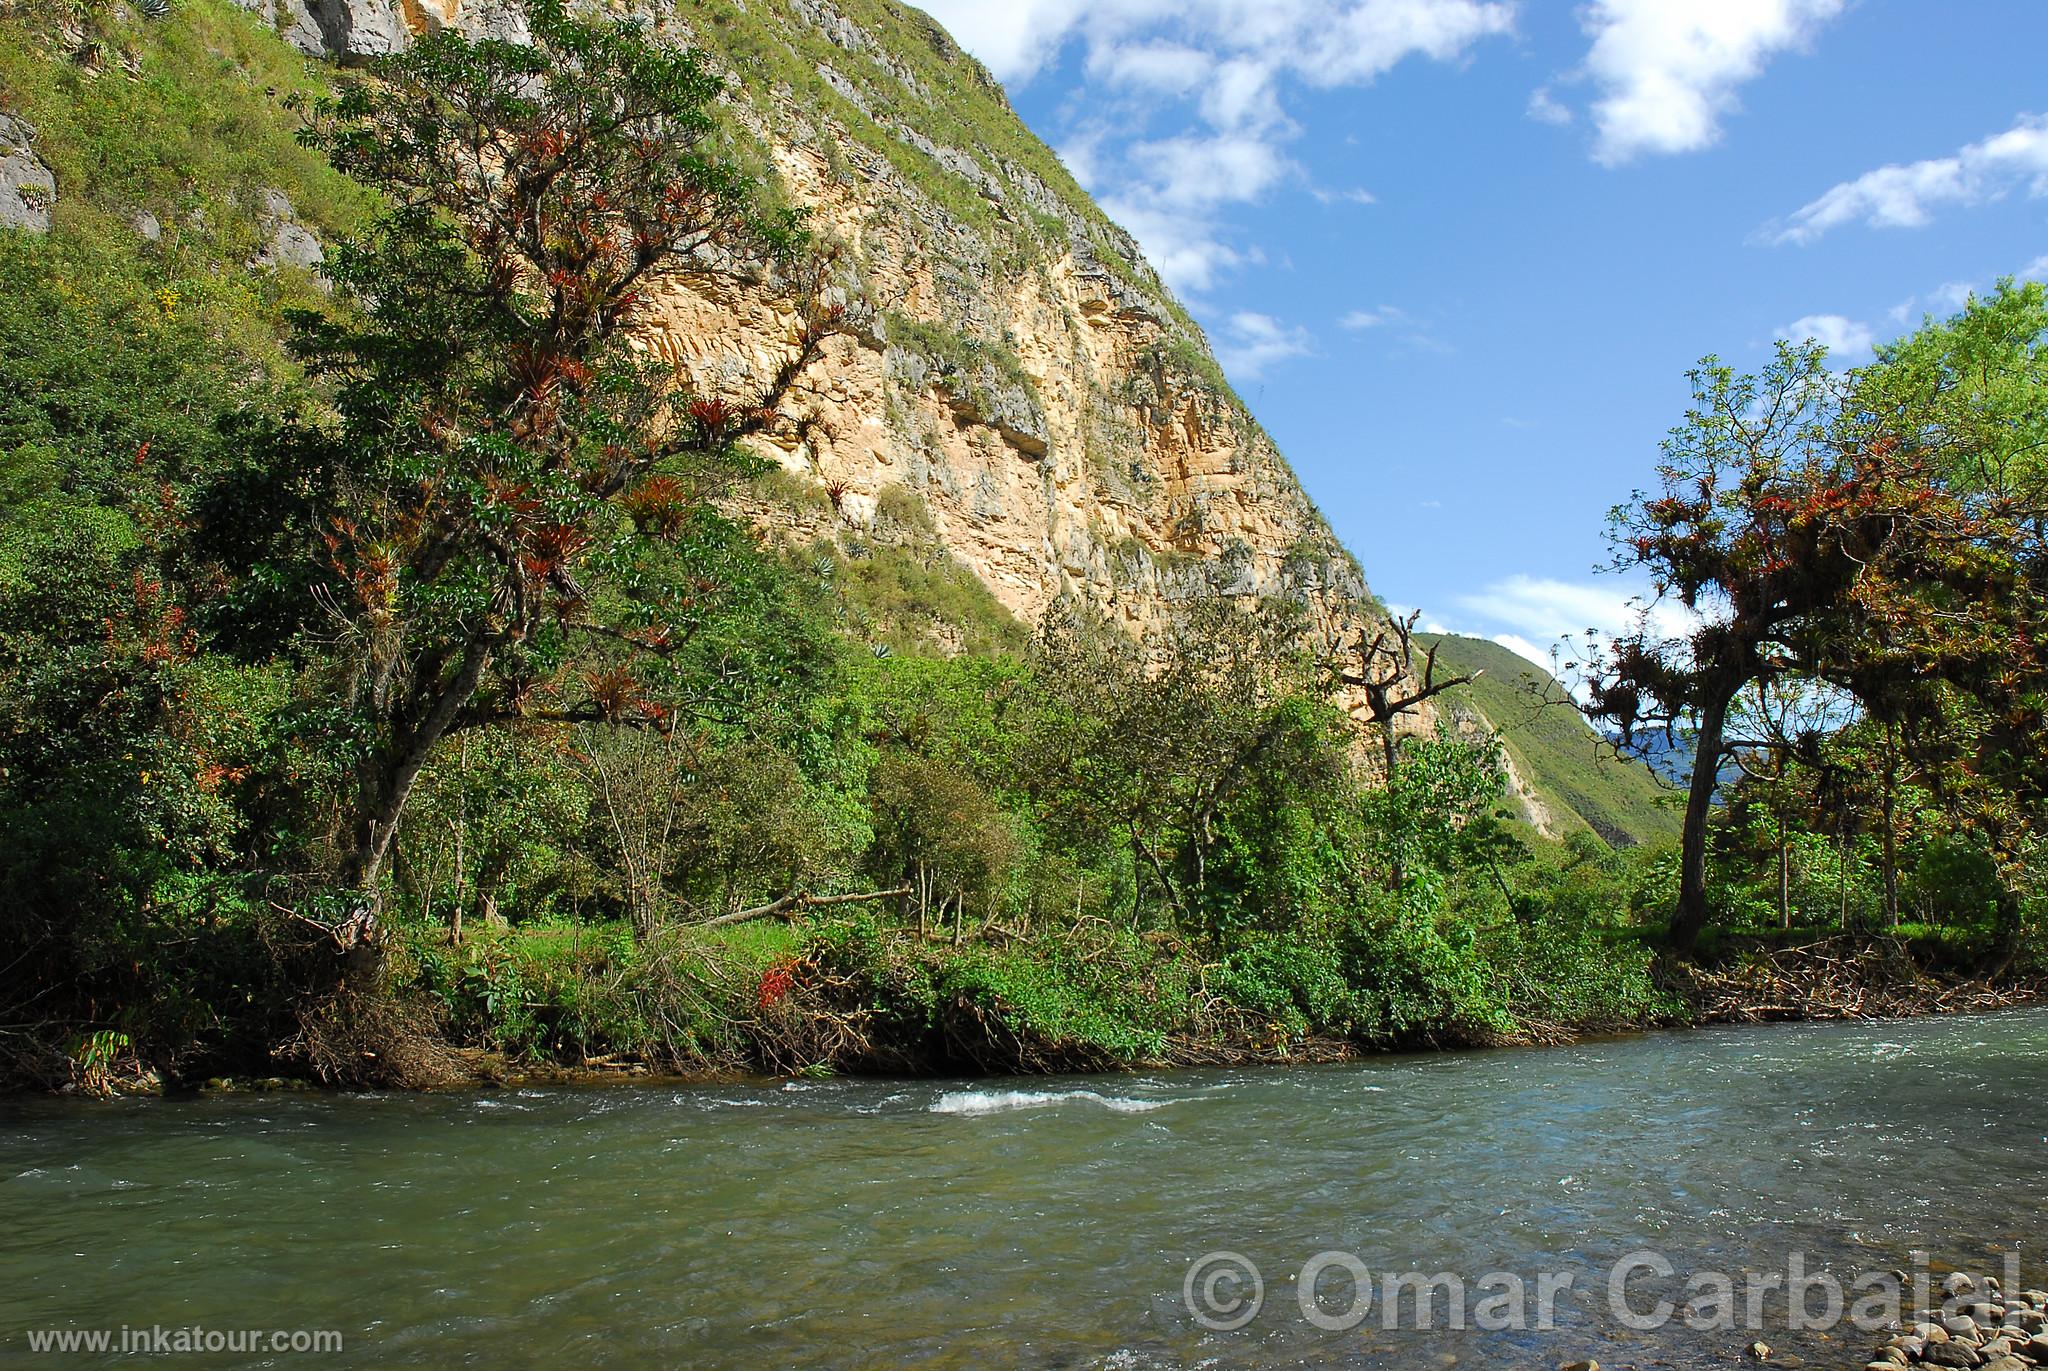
pixel 1977 1326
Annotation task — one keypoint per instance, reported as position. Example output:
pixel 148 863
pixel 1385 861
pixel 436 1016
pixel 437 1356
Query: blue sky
pixel 1458 254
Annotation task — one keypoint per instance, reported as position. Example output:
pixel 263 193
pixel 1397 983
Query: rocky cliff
pixel 1018 385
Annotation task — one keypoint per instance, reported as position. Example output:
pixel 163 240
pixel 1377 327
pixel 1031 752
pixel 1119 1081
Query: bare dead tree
pixel 1386 672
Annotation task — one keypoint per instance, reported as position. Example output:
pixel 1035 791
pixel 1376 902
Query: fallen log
pixel 790 905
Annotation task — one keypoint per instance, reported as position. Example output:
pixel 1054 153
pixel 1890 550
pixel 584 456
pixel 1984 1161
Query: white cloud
pixel 1396 325
pixel 1545 109
pixel 1357 195
pixel 1526 650
pixel 1170 68
pixel 1372 318
pixel 1197 173
pixel 1952 296
pixel 1907 195
pixel 2036 270
pixel 1538 612
pixel 1252 342
pixel 1667 72
pixel 1845 339
pixel 1226 63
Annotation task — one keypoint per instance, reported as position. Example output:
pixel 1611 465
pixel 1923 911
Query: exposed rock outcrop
pixel 27 187
pixel 286 242
pixel 1016 366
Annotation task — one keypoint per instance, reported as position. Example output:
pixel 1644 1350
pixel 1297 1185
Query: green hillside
pixel 1578 778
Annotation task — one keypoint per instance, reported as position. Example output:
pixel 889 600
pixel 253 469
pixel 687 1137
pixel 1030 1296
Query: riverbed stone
pixel 1951 1354
pixel 1927 1330
pixel 1960 1325
pixel 1760 1351
pixel 1957 1283
pixel 2006 1363
pixel 1588 1365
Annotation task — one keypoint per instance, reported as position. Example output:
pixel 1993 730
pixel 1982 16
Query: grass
pixel 208 122
pixel 916 599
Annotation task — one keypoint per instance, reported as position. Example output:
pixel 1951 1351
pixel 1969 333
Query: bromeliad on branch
pixel 504 445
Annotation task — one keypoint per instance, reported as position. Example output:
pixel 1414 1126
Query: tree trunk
pixel 1784 878
pixel 1842 871
pixel 1891 832
pixel 1689 920
pixel 385 783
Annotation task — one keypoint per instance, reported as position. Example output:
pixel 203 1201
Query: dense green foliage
pixel 381 674
pixel 1862 568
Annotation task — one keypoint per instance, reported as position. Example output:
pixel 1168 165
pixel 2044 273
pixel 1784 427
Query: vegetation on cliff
pixel 383 673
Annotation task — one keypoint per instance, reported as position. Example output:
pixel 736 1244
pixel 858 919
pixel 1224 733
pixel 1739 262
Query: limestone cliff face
pixel 1013 365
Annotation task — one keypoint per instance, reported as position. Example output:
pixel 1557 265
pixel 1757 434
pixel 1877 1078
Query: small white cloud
pixel 1083 157
pixel 1510 421
pixel 1192 172
pixel 1668 72
pixel 1430 504
pixel 1372 318
pixel 1952 296
pixel 1358 195
pixel 1252 342
pixel 1907 195
pixel 1545 109
pixel 1397 325
pixel 1541 611
pixel 2036 270
pixel 1844 338
pixel 1526 650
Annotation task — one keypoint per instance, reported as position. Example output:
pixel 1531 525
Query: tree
pixel 520 527
pixel 1386 673
pixel 1207 749
pixel 1814 530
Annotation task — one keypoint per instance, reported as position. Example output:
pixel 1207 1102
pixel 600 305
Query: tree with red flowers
pixel 1815 530
pixel 518 522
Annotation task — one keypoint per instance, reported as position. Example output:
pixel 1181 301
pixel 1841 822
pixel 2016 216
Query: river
pixel 1038 1223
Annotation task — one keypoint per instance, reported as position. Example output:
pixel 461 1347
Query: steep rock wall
pixel 1013 365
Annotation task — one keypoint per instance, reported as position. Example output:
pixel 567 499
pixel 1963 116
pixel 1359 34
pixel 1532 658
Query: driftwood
pixel 794 903
pixel 1837 978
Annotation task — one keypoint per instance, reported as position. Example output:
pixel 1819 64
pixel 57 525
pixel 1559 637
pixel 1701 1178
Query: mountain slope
pixel 1018 393
pixel 1566 779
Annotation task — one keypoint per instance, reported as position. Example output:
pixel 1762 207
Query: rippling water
pixel 1028 1223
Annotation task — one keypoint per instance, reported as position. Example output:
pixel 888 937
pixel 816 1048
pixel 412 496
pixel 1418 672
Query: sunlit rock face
pixel 1012 364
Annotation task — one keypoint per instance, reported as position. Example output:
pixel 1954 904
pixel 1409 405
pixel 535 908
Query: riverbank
pixel 809 1022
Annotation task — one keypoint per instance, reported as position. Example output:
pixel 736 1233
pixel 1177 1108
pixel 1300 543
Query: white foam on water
pixel 1003 1101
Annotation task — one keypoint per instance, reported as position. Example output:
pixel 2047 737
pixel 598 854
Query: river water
pixel 1039 1223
